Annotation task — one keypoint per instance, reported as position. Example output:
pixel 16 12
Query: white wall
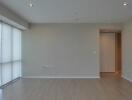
pixel 62 50
pixel 127 50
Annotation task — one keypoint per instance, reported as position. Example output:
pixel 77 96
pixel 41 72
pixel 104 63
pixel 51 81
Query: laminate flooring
pixel 109 87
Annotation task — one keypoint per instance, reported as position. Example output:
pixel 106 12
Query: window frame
pixel 11 62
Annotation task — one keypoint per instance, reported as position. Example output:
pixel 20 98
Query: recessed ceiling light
pixel 30 5
pixel 125 3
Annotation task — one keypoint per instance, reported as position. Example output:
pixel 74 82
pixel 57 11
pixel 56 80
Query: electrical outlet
pixel 48 66
pixel 45 66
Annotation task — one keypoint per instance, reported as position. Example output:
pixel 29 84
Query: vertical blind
pixel 10 53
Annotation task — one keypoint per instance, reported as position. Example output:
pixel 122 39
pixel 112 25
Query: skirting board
pixel 127 78
pixel 64 77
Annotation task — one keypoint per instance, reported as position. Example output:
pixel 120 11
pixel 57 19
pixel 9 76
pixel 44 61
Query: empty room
pixel 65 50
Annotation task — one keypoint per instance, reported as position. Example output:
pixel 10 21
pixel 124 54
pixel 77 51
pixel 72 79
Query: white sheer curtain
pixel 16 53
pixel 6 53
pixel 10 53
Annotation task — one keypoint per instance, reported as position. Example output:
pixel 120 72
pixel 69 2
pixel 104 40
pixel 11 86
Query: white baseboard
pixel 64 77
pixel 127 78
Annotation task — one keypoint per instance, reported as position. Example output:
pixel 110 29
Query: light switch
pixel 94 52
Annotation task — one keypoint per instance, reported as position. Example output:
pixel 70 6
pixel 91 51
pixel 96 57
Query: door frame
pixel 118 49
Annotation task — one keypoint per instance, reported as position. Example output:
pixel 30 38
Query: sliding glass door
pixel 10 53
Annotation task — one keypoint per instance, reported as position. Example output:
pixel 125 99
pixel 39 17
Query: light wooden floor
pixel 109 87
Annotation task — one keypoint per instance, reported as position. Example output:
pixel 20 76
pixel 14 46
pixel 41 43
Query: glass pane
pixel 1 94
pixel 0 53
pixel 6 73
pixel 16 44
pixel 16 70
pixel 0 38
pixel 0 76
pixel 6 43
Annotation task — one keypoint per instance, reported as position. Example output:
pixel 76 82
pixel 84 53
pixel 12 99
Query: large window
pixel 10 53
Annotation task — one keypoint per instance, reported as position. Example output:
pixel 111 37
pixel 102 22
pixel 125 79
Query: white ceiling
pixel 72 11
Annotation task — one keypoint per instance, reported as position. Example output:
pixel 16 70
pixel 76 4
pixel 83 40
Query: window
pixel 10 53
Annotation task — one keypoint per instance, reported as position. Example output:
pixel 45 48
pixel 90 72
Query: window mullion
pixel 11 53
